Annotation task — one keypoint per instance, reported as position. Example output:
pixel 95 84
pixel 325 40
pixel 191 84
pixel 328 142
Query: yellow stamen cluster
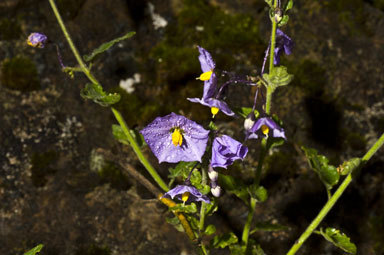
pixel 205 76
pixel 214 110
pixel 177 137
pixel 264 129
pixel 185 196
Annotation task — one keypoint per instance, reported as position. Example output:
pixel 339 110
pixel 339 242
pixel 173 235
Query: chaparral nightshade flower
pixel 210 85
pixel 37 40
pixel 174 138
pixel 264 126
pixel 225 150
pixel 187 193
pixel 283 43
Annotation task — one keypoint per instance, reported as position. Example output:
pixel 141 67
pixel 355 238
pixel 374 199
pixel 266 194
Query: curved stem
pixel 331 202
pixel 119 118
pixel 247 226
pixel 138 152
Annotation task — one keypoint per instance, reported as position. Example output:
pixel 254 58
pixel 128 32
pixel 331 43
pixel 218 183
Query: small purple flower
pixel 174 138
pixel 210 86
pixel 283 43
pixel 226 150
pixel 37 40
pixel 187 193
pixel 264 126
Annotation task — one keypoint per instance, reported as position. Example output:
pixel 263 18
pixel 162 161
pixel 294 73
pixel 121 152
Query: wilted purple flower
pixel 264 126
pixel 37 40
pixel 226 150
pixel 174 138
pixel 283 43
pixel 210 86
pixel 187 193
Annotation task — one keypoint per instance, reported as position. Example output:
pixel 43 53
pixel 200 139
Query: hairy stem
pixel 331 202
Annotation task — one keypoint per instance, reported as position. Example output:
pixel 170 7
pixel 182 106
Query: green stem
pixel 71 44
pixel 331 202
pixel 271 57
pixel 252 206
pixel 203 208
pixel 138 152
pixel 247 226
pixel 118 116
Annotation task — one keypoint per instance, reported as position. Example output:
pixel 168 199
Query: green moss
pixel 9 29
pixel 69 8
pixel 42 167
pixel 135 109
pixel 351 14
pixel 199 23
pixel 309 76
pixel 94 250
pixel 19 73
pixel 111 173
pixel 356 141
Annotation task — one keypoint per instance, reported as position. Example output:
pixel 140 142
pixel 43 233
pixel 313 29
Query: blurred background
pixel 57 190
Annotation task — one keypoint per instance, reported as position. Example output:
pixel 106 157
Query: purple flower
pixel 264 126
pixel 174 138
pixel 37 40
pixel 187 193
pixel 283 43
pixel 210 97
pixel 226 150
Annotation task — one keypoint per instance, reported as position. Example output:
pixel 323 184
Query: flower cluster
pixel 174 138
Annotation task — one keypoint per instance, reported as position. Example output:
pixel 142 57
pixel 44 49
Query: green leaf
pixel 284 20
pixel 245 111
pixel 327 173
pixel 289 5
pixel 258 192
pixel 182 169
pixel 192 208
pixel 119 135
pixel 224 240
pixel 34 250
pixel 106 46
pixel 209 230
pixel 278 77
pixel 96 93
pixel 211 208
pixel 338 239
pixel 268 227
pixel 212 126
pixel 176 223
pixel 269 2
pixel 234 186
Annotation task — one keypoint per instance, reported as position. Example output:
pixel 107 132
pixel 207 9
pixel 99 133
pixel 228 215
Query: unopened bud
pixel 213 175
pixel 216 191
pixel 249 121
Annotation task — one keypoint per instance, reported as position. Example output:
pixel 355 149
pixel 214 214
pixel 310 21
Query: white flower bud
pixel 216 191
pixel 213 175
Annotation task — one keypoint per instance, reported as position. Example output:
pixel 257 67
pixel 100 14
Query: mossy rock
pixel 42 167
pixel 9 29
pixel 19 73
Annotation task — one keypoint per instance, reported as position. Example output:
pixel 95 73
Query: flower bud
pixel 216 191
pixel 249 121
pixel 213 175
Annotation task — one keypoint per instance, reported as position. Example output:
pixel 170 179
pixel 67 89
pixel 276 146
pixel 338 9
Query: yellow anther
pixel 264 129
pixel 205 76
pixel 185 196
pixel 214 110
pixel 177 137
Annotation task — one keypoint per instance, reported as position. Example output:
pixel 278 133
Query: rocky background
pixel 57 190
